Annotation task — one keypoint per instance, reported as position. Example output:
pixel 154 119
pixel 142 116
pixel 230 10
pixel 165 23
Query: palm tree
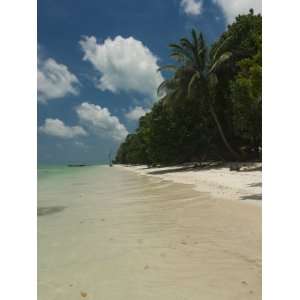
pixel 195 68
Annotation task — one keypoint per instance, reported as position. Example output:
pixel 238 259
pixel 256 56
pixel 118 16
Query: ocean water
pixel 107 233
pixel 46 171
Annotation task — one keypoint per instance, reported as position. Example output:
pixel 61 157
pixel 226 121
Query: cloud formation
pixel 136 113
pixel 191 7
pixel 54 80
pixel 125 64
pixel 57 128
pixel 232 8
pixel 101 122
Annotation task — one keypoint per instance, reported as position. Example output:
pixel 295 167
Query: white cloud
pixel 191 7
pixel 125 64
pixel 57 128
pixel 54 80
pixel 232 8
pixel 135 113
pixel 101 121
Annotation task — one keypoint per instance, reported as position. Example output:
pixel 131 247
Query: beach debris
pixel 83 294
pixel 197 165
pixel 244 282
pixel 146 267
pixel 235 166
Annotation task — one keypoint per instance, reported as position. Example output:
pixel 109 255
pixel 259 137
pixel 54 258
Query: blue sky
pixel 97 66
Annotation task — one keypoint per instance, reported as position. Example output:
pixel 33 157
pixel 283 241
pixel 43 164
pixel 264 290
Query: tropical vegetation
pixel 210 105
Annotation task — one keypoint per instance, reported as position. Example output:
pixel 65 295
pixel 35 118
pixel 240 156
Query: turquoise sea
pixel 46 171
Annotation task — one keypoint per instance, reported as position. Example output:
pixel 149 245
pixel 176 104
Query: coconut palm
pixel 195 71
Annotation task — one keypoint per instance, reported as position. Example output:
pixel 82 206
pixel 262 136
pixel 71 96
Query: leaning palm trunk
pixel 221 132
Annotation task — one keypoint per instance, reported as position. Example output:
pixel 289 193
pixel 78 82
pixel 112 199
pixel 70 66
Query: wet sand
pixel 115 235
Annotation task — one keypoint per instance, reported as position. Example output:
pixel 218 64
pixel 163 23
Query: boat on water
pixel 77 165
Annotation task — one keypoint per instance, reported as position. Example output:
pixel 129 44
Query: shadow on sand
pixel 258 184
pixel 196 167
pixel 252 197
pixel 43 211
pixel 190 167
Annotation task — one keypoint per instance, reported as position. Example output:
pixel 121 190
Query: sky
pixel 97 67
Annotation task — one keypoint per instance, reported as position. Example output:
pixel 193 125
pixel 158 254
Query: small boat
pixel 77 165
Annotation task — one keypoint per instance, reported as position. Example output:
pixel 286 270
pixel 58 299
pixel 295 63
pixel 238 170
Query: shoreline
pixel 221 183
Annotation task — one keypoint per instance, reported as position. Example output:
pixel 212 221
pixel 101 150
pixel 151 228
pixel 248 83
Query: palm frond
pixel 184 56
pixel 194 78
pixel 201 40
pixel 179 50
pixel 225 56
pixel 195 38
pixel 177 47
pixel 220 48
pixel 178 57
pixel 162 87
pixel 186 43
pixel 171 68
pixel 167 86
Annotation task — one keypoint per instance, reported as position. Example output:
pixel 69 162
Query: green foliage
pixel 247 102
pixel 211 106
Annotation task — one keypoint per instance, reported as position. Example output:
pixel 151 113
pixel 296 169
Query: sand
pixel 219 182
pixel 108 233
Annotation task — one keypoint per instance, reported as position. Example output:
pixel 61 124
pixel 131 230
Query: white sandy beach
pixel 219 182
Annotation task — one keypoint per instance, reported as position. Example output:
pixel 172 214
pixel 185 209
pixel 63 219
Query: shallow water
pixel 107 233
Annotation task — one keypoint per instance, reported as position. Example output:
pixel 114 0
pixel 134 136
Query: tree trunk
pixel 221 132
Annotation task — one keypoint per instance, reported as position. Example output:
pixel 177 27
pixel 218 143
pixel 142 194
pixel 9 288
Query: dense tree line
pixel 210 107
